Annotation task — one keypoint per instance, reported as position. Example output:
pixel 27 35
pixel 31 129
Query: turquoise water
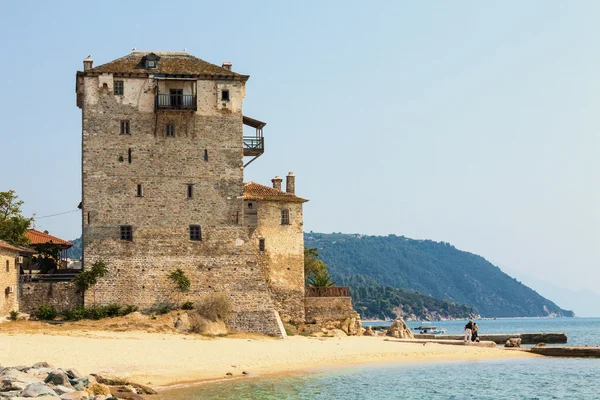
pixel 527 378
pixel 580 331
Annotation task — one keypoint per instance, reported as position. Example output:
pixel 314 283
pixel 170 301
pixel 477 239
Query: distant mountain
pixel 74 253
pixel 435 269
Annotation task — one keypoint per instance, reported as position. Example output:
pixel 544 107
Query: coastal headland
pixel 164 358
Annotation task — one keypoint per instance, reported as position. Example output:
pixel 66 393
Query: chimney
pixel 277 183
pixel 226 65
pixel 87 63
pixel 290 183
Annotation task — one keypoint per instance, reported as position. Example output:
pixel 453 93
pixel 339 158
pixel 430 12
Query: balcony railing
pixel 332 291
pixel 254 146
pixel 175 102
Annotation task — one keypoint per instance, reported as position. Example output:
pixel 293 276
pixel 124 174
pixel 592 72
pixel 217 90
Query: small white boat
pixel 427 328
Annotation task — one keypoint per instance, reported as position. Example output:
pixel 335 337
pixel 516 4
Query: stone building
pixel 162 169
pixel 275 223
pixel 10 259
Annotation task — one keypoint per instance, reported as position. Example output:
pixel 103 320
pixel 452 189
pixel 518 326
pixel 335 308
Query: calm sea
pixel 537 378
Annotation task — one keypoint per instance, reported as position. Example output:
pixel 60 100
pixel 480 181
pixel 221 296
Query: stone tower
pixel 162 169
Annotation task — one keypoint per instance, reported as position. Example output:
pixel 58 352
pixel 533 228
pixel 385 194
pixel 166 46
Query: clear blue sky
pixel 474 123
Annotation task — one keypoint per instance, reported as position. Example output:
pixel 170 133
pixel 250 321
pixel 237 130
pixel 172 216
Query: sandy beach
pixel 162 359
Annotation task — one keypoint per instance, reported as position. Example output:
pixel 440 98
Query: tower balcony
pixel 176 102
pixel 253 146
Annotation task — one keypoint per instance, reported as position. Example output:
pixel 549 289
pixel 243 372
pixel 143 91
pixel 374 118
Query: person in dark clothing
pixel 468 331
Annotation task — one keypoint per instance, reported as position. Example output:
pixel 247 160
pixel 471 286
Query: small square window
pixel 285 216
pixel 261 244
pixel 225 95
pixel 195 233
pixel 126 233
pixel 118 88
pixel 170 130
pixel 125 127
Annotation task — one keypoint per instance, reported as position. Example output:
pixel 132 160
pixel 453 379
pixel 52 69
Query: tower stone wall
pixel 206 154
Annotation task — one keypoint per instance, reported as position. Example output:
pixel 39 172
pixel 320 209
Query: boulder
pixel 38 390
pixel 72 373
pixel 142 389
pixel 98 388
pixel 78 395
pixel 79 383
pixel 400 330
pixel 10 385
pixel 60 389
pixel 513 342
pixel 124 393
pixel 58 377
pixel 10 394
pixel 42 364
pixel 183 323
pixel 110 380
pixel 369 332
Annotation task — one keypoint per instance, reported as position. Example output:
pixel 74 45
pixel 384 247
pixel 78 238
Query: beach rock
pixel 229 374
pixel 110 380
pixel 245 373
pixel 80 383
pixel 42 364
pixel 541 344
pixel 58 377
pixel 60 389
pixel 78 395
pixel 38 390
pixel 72 373
pixel 513 342
pixel 124 393
pixel 337 333
pixel 142 389
pixel 10 394
pixel 10 385
pixel 98 388
pixel 369 332
pixel 183 323
pixel 400 330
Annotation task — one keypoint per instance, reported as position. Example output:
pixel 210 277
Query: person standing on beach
pixel 475 333
pixel 468 331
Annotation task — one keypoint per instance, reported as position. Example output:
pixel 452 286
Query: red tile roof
pixel 8 246
pixel 37 237
pixel 256 191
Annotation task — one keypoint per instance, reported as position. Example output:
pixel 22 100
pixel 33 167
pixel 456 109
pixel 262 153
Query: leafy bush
pixel 290 330
pixel 46 312
pixel 214 307
pixel 188 305
pixel 163 309
pixel 180 280
pixel 14 315
pixel 89 278
pixel 98 312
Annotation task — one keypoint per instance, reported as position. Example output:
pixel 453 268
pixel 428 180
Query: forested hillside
pixel 431 268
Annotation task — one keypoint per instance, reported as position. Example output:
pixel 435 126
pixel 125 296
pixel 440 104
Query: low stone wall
pixel 265 322
pixel 328 309
pixel 62 295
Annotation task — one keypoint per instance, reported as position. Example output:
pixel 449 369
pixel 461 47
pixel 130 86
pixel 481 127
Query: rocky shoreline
pixel 44 380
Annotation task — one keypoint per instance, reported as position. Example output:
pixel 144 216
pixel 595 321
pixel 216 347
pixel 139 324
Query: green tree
pixel 312 264
pixel 89 278
pixel 13 226
pixel 181 281
pixel 48 257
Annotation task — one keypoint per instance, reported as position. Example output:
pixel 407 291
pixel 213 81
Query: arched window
pixel 285 216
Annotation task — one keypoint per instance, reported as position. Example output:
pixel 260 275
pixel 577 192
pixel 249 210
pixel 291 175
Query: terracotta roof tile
pixel 37 237
pixel 170 63
pixel 256 191
pixel 6 245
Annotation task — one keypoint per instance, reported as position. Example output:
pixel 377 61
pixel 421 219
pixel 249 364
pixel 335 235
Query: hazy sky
pixel 474 123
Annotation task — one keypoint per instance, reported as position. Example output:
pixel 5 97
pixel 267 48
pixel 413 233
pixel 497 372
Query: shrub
pixel 163 309
pixel 128 309
pixel 180 280
pixel 290 330
pixel 88 278
pixel 75 314
pixel 46 312
pixel 197 323
pixel 214 307
pixel 188 305
pixel 14 315
pixel 96 312
pixel 113 310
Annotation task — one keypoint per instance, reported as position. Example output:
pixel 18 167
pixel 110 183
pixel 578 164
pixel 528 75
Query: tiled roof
pixel 256 191
pixel 8 246
pixel 37 237
pixel 170 63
